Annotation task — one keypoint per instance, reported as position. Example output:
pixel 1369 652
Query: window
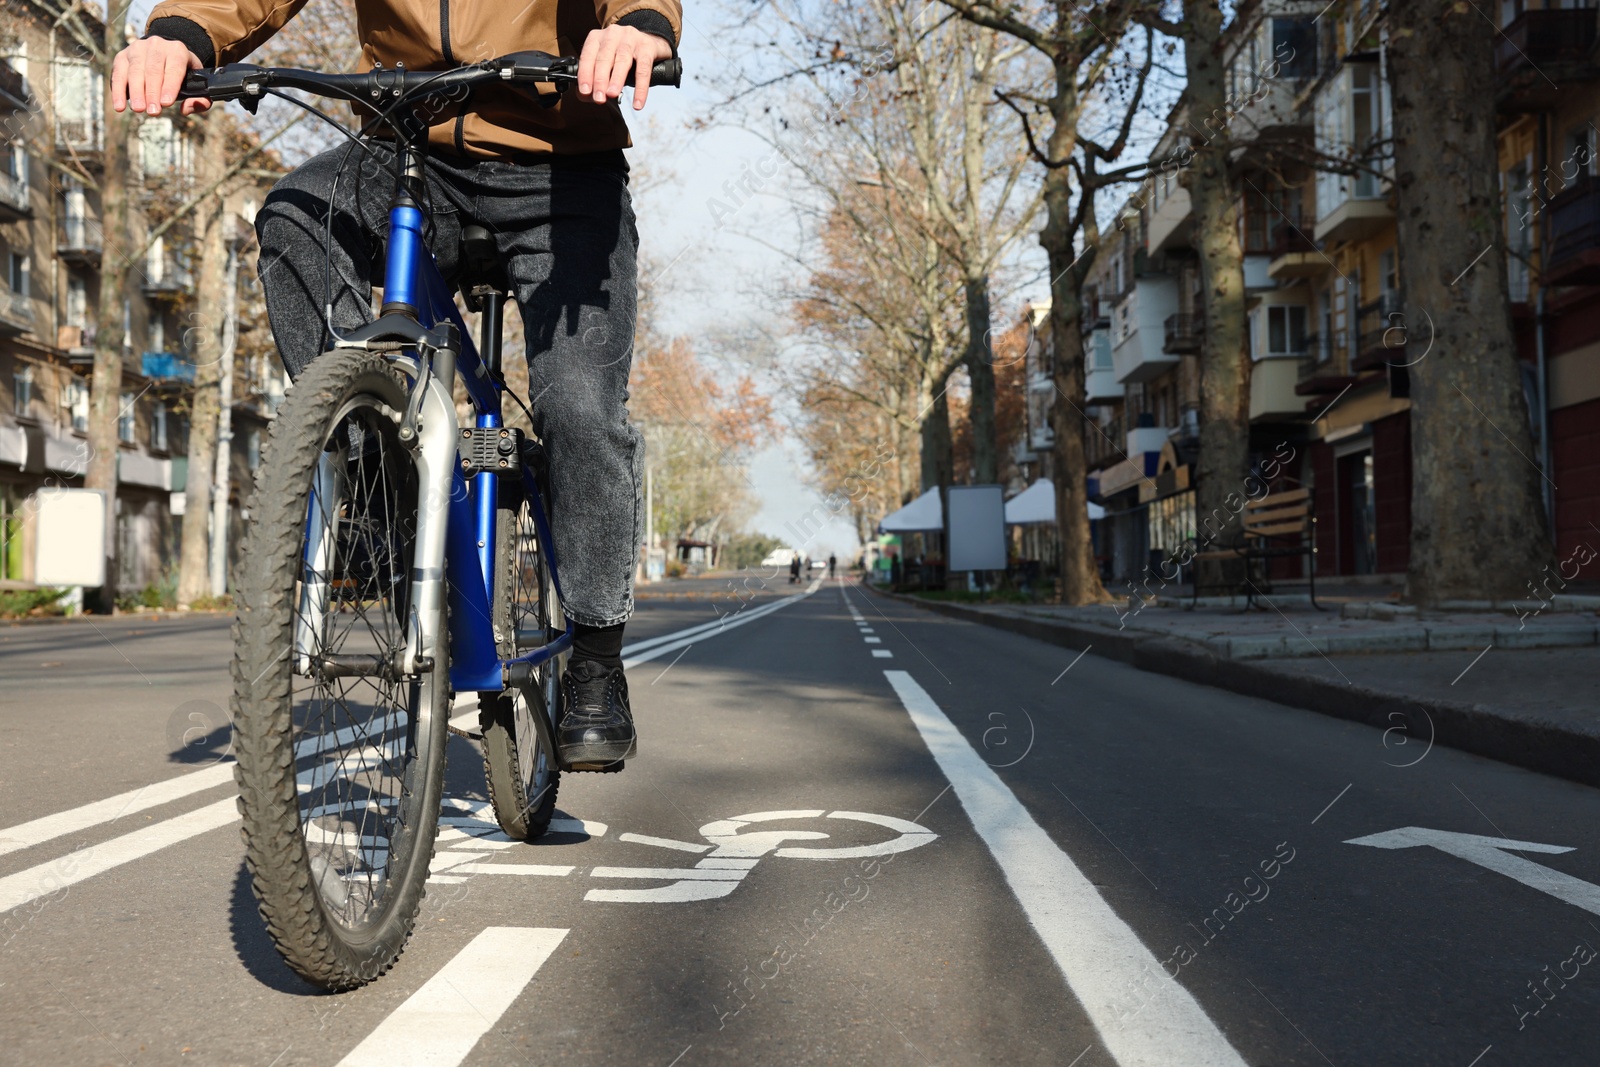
pixel 157 333
pixel 125 418
pixel 78 403
pixel 22 389
pixel 252 448
pixel 77 100
pixel 1294 46
pixel 17 273
pixel 1286 330
pixel 1519 230
pixel 158 427
pixel 77 302
pixel 1389 271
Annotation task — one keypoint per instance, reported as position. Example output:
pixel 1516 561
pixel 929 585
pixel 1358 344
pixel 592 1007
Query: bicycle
pixel 394 558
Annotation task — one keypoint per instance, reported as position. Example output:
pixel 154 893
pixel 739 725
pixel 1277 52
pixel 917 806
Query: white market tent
pixel 1037 504
pixel 922 515
pixel 1034 505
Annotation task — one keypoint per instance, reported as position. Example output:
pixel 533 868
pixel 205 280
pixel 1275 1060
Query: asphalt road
pixel 1094 866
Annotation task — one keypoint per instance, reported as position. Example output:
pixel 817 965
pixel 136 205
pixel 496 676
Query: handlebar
pixel 383 86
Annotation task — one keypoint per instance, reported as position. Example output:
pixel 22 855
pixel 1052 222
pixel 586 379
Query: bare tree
pixel 1084 45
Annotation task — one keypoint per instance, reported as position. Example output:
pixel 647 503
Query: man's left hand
pixel 608 56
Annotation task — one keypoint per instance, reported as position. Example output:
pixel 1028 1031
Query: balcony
pixel 1102 445
pixel 14 202
pixel 1352 206
pixel 1541 50
pixel 79 137
pixel 1099 372
pixel 1272 391
pixel 1291 251
pixel 78 343
pixel 1138 355
pixel 16 313
pixel 1170 223
pixel 1319 372
pixel 166 367
pixel 1183 333
pixel 167 280
pixel 1381 336
pixel 80 241
pixel 1574 237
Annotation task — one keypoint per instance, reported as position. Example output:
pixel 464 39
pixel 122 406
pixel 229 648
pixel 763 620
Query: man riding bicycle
pixel 550 183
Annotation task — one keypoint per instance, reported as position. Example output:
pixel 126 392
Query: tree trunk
pixel 1080 574
pixel 1224 460
pixel 980 368
pixel 938 462
pixel 1478 527
pixel 194 579
pixel 105 386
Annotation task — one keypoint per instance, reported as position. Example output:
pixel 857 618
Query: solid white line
pixel 1106 965
pixel 707 627
pixel 46 878
pixel 38 831
pixel 439 1024
pixel 680 640
pixel 550 870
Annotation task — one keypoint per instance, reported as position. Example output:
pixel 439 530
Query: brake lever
pixel 244 82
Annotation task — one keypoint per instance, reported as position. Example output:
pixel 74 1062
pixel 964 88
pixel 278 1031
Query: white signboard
pixel 70 536
pixel 977 528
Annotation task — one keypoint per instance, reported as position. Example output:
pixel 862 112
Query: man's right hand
pixel 148 74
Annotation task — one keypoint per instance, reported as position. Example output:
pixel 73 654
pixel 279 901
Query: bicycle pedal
pixel 598 768
pixel 495 449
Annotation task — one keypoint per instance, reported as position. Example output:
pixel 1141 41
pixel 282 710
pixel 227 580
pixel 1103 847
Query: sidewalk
pixel 1516 683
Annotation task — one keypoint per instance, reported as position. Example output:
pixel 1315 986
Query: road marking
pixel 712 873
pixel 578 826
pixel 882 653
pixel 1099 955
pixel 439 1024
pixel 664 842
pixel 526 870
pixel 46 878
pixel 38 831
pixel 645 651
pixel 1491 852
pixel 873 640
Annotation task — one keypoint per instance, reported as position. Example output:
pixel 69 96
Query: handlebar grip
pixel 195 83
pixel 667 72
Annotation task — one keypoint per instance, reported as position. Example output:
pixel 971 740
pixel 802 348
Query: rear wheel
pixel 521 770
pixel 341 759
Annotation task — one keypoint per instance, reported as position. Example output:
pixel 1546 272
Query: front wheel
pixel 517 762
pixel 341 758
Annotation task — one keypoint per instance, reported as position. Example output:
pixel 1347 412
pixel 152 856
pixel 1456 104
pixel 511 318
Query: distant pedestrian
pixel 832 564
pixel 794 568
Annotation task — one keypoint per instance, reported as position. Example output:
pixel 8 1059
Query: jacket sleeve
pixel 233 29
pixel 663 18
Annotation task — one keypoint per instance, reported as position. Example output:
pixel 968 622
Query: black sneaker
pixel 596 727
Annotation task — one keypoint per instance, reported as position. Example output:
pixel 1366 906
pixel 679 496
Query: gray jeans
pixel 566 235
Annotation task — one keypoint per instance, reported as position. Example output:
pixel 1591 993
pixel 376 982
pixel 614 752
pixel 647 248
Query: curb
pixel 1547 748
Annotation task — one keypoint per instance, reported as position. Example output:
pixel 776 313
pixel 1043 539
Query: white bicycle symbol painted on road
pixel 730 851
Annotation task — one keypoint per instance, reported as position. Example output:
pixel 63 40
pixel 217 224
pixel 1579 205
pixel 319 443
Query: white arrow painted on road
pixel 1495 854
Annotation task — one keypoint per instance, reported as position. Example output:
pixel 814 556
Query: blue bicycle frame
pixel 413 283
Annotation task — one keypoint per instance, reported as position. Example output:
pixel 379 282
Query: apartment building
pixel 51 248
pixel 1547 92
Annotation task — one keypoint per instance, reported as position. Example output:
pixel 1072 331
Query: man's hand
pixel 148 74
pixel 610 53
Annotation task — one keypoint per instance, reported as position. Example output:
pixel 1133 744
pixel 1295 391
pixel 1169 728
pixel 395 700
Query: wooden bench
pixel 1279 524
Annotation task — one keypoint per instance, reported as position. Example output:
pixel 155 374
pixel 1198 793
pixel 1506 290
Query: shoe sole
pixel 584 757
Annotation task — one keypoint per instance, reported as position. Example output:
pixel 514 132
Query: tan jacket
pixel 438 34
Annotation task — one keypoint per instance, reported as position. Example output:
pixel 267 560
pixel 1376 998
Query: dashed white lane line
pixel 882 653
pixel 46 878
pixel 1099 955
pixel 439 1024
pixel 38 831
pixel 873 640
